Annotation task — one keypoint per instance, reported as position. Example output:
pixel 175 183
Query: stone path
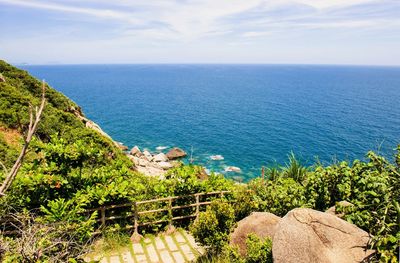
pixel 178 247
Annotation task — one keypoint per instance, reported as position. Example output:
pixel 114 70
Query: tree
pixel 34 119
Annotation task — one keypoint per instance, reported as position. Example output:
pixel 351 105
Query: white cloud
pixel 103 13
pixel 163 28
pixel 190 20
pixel 325 4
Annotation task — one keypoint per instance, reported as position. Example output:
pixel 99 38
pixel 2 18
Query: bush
pixel 37 241
pixel 245 202
pixel 213 226
pixel 278 196
pixel 258 251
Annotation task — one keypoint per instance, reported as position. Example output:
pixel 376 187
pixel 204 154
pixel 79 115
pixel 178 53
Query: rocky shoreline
pixel 146 162
pixel 155 164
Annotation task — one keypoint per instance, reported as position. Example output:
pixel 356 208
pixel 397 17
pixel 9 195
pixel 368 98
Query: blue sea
pixel 252 115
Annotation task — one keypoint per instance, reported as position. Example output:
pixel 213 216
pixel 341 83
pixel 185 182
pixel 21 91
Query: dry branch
pixel 34 119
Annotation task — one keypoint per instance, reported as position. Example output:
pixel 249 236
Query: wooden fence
pixel 136 212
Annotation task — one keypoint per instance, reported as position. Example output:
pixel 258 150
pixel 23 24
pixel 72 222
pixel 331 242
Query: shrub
pixel 213 226
pixel 258 250
pixel 278 196
pixel 37 241
pixel 245 202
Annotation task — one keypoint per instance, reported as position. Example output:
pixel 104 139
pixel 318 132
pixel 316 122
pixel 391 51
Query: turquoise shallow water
pixel 253 115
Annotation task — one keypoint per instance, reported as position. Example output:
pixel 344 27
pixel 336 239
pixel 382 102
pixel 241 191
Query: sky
pixel 358 32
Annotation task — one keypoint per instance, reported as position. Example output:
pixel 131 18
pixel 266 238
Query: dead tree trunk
pixel 34 119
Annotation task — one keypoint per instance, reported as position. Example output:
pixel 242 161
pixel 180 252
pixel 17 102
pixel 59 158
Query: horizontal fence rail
pixel 136 212
pixel 167 206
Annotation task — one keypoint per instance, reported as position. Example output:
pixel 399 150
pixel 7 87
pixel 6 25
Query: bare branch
pixel 30 117
pixel 33 123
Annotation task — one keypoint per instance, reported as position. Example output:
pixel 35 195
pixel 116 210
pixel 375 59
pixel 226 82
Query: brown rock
pixel 135 151
pixel 333 211
pixel 202 175
pixel 175 153
pixel 148 155
pixel 308 236
pixel 262 224
pixel 160 158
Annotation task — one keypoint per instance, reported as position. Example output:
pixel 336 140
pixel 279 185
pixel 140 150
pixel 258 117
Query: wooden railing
pixel 136 212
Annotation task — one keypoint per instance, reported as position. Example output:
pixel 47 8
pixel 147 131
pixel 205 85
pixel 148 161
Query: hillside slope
pixel 61 115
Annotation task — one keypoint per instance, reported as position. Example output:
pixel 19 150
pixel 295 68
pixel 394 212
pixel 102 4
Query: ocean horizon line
pixel 206 64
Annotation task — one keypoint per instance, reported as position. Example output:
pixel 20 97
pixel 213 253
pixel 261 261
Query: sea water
pixel 251 115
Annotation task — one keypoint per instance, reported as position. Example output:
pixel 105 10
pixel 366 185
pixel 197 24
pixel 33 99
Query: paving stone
pixel 127 257
pixel 201 250
pixel 179 238
pixel 137 248
pixel 190 238
pixel 158 251
pixel 171 243
pixel 178 257
pixel 188 252
pixel 141 258
pixel 159 244
pixel 152 253
pixel 166 258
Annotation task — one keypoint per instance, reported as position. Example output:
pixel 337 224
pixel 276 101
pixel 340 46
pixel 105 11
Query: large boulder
pixel 305 235
pixel 175 153
pixel 262 224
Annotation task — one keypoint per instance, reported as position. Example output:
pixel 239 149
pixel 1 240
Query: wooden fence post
pixel 135 218
pixel 171 228
pixel 197 205
pixel 103 216
pixel 135 238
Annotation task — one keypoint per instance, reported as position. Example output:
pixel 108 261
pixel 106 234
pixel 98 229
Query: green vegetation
pixel 213 226
pixel 372 187
pixel 71 168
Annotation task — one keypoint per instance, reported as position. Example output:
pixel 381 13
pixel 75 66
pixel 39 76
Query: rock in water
pixel 262 224
pixel 160 158
pixel 135 151
pixel 216 157
pixel 305 235
pixel 175 153
pixel 233 169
